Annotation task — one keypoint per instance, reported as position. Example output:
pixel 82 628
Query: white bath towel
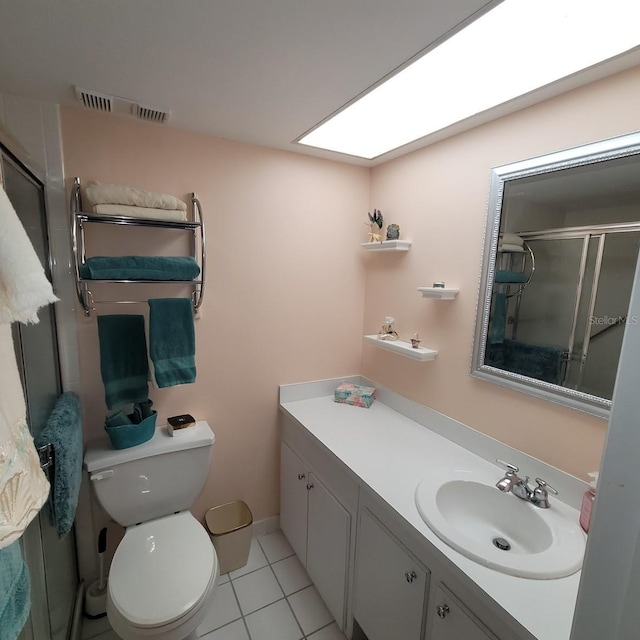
pixel 23 286
pixel 99 193
pixel 140 212
pixel 510 248
pixel 23 486
pixel 511 238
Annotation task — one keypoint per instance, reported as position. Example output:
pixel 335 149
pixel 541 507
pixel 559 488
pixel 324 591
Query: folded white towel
pixel 23 286
pixel 99 193
pixel 510 248
pixel 511 238
pixel 140 212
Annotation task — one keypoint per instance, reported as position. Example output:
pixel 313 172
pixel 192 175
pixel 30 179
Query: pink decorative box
pixel 355 394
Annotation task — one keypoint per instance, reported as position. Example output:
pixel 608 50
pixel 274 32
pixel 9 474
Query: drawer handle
pixel 301 476
pixel 442 610
pixel 410 576
pixel 309 486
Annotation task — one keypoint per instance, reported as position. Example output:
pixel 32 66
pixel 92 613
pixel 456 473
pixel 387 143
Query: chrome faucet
pixel 539 497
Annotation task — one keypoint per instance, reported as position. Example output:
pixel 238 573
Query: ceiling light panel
pixel 517 47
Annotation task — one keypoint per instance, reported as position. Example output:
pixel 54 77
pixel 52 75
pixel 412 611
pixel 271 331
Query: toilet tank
pixel 161 476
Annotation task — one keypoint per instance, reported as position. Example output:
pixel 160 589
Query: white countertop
pixel 389 452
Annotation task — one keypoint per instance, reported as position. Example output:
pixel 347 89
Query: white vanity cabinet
pixel 390 584
pixel 452 621
pixel 318 503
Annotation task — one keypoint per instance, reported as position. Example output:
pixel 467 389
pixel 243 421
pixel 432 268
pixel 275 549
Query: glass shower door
pixel 52 562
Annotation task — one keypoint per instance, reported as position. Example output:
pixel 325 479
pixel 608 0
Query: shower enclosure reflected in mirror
pixel 562 242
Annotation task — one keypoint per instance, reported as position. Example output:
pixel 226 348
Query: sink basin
pixel 499 530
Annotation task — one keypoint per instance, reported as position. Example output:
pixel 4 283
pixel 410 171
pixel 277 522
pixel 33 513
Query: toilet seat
pixel 162 571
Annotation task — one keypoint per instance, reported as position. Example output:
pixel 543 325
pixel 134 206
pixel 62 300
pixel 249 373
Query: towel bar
pixel 46 453
pixel 80 218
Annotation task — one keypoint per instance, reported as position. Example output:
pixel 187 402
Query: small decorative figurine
pixel 415 341
pixel 375 219
pixel 393 232
pixel 387 332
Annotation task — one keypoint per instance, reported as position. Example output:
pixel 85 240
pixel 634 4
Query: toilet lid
pixel 161 570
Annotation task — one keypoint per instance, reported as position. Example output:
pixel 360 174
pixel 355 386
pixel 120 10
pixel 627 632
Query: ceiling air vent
pixel 95 101
pixel 150 114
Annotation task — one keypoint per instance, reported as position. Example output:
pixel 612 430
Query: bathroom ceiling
pixel 256 71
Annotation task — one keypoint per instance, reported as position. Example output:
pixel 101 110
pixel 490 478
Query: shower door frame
pixel 587 233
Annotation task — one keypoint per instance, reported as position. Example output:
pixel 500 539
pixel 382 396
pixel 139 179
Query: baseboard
pixel 266 526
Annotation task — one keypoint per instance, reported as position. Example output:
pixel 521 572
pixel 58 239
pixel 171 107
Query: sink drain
pixel 502 544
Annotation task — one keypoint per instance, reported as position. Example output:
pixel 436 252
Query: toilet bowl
pixel 164 571
pixel 162 579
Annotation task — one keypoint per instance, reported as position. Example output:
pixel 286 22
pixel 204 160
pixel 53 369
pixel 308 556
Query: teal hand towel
pixel 140 268
pixel 123 359
pixel 15 592
pixel 64 431
pixel 172 342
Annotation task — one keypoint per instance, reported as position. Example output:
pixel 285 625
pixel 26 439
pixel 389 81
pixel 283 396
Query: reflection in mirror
pixel 563 235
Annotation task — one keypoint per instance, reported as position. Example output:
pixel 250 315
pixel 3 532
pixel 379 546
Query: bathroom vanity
pixel 348 507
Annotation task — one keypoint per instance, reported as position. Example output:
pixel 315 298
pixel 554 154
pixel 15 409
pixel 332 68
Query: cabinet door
pixel 293 501
pixel 329 530
pixel 451 621
pixel 390 587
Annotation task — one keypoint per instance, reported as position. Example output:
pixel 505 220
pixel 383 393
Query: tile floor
pixel 270 598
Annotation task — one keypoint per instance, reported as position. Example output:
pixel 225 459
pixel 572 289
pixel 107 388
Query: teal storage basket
pixel 125 433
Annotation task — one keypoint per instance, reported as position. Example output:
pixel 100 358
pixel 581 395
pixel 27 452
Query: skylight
pixel 517 47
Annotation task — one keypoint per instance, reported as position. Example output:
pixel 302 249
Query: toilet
pixel 164 571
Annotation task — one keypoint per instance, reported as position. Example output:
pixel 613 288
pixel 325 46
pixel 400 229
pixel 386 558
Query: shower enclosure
pixel 52 562
pixel 577 300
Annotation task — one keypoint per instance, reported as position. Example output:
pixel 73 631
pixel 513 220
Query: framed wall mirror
pixel 561 246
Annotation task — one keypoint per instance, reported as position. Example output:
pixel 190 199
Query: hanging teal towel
pixel 64 431
pixel 498 319
pixel 123 359
pixel 15 592
pixel 172 342
pixel 140 268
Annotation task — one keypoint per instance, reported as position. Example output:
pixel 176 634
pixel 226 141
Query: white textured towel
pixel 511 238
pixel 99 193
pixel 23 286
pixel 140 212
pixel 510 248
pixel 23 486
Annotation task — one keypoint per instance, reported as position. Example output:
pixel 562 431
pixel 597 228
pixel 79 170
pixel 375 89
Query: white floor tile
pixel 332 632
pixel 275 546
pixel 275 622
pixel 223 609
pixel 257 589
pixel 256 560
pixel 223 578
pixel 311 612
pixel 234 631
pixel 291 575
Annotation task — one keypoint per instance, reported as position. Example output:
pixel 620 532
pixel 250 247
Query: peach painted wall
pixel 438 196
pixel 285 283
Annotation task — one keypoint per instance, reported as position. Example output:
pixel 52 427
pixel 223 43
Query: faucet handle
pixel 546 487
pixel 511 468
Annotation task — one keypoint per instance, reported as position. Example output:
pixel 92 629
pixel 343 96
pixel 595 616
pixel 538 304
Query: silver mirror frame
pixel 627 145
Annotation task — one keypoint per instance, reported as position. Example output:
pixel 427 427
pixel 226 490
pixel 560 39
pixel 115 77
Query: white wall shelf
pixel 402 348
pixel 439 293
pixel 387 245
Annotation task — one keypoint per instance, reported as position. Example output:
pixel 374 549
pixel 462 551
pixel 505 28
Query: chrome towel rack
pixel 79 219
